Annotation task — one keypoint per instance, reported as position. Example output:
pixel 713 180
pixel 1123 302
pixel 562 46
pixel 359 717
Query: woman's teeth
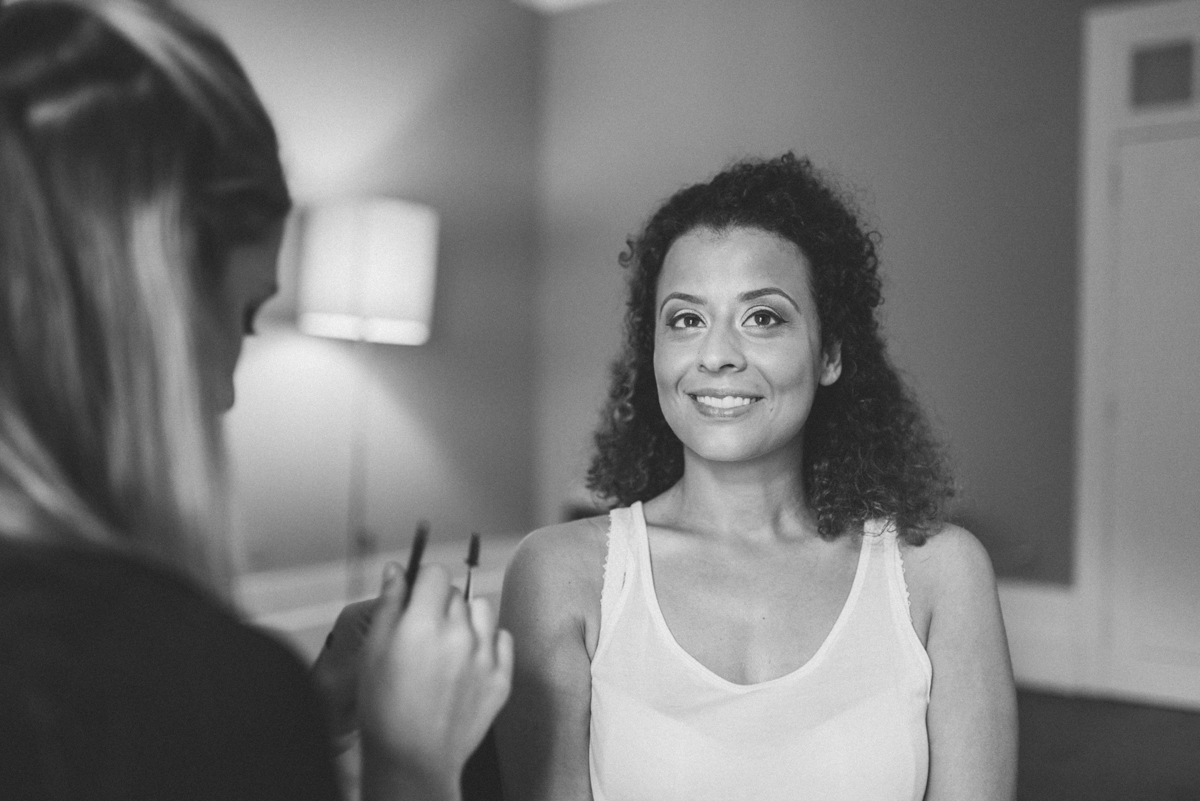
pixel 727 402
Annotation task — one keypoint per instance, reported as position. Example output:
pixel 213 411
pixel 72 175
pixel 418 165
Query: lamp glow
pixel 367 270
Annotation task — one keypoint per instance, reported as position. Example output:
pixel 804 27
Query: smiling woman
pixel 737 353
pixel 775 610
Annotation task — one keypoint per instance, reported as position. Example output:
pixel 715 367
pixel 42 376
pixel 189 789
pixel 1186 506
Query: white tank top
pixel 848 724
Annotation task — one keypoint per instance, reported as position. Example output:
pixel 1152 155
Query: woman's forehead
pixel 733 260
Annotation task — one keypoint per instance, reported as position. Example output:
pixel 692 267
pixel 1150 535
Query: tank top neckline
pixel 642 555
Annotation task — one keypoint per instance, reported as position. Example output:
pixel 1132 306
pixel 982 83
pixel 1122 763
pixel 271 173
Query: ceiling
pixel 554 6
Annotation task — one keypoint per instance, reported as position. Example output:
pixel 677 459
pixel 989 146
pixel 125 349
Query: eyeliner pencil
pixel 472 563
pixel 414 560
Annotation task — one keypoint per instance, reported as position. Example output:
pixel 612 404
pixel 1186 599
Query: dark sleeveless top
pixel 122 680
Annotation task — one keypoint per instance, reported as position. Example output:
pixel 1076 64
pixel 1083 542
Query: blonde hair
pixel 134 154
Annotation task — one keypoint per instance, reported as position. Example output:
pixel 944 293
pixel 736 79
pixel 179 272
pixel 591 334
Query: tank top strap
pixel 883 535
pixel 619 567
pixel 877 528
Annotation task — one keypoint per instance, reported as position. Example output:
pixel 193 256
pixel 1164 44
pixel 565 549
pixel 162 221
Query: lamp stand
pixel 360 542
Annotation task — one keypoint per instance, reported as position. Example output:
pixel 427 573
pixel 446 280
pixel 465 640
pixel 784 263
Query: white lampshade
pixel 367 269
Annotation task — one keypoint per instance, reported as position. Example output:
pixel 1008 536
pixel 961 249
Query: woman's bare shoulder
pixel 551 605
pixel 950 570
pixel 952 559
pixel 576 548
pixel 561 565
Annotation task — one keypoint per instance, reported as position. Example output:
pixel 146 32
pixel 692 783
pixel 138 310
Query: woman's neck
pixel 760 499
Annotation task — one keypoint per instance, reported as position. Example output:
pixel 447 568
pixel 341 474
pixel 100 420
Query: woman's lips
pixel 723 405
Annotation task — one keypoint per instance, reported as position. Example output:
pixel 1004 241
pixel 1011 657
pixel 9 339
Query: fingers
pixel 504 654
pixel 360 614
pixel 483 621
pixel 351 626
pixel 387 613
pixel 494 645
pixel 432 593
pixel 435 600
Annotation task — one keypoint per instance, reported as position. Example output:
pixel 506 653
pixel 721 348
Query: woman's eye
pixel 684 320
pixel 764 318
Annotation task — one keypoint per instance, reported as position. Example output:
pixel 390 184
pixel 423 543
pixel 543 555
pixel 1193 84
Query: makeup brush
pixel 472 563
pixel 414 560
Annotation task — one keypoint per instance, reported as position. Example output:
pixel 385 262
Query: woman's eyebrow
pixel 755 294
pixel 686 298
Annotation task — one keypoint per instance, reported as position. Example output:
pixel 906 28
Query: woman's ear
pixel 831 357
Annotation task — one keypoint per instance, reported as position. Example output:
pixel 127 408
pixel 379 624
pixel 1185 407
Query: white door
pixel 1139 496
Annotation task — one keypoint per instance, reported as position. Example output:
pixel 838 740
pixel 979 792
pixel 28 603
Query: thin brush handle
pixel 472 563
pixel 414 561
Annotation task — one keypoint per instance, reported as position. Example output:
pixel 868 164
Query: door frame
pixel 1061 636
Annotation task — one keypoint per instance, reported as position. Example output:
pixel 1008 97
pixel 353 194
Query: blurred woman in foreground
pixel 141 207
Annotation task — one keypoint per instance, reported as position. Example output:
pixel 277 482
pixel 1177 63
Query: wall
pixel 433 102
pixel 954 123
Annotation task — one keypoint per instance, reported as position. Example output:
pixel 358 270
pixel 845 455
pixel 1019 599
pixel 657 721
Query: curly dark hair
pixel 868 448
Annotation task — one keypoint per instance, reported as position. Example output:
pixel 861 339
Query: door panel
pixel 1134 607
pixel 1155 455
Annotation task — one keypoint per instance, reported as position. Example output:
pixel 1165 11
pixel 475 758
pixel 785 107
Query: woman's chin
pixel 729 453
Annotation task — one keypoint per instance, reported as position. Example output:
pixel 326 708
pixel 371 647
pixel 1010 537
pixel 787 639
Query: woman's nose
pixel 721 350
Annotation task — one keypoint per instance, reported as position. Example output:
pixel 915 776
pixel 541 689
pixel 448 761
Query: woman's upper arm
pixel 542 733
pixel 972 716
